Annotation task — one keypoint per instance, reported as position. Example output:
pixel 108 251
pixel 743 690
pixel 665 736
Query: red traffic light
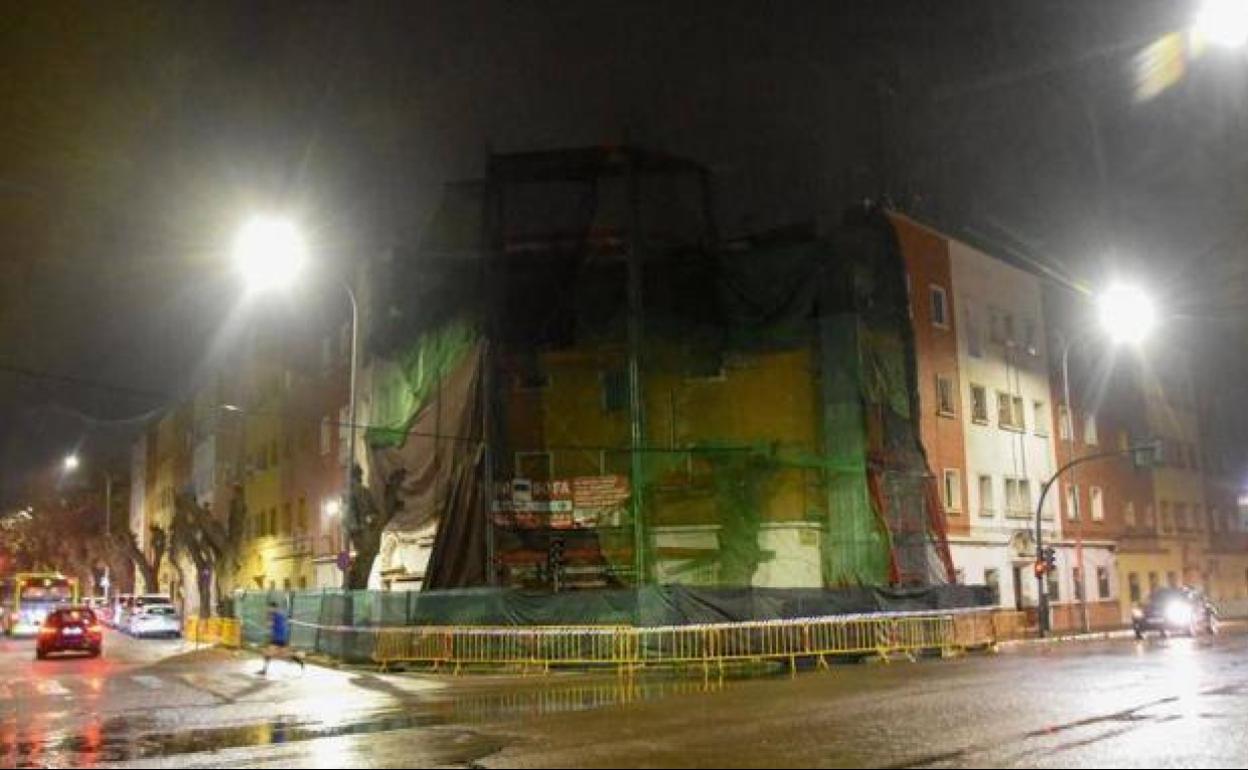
pixel 1040 568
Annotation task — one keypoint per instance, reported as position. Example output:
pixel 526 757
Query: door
pixel 1018 588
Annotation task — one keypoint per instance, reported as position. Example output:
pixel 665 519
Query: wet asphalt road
pixel 1106 704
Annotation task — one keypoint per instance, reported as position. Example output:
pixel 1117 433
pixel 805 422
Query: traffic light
pixel 1046 562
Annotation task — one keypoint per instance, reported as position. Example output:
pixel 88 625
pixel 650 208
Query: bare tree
pixel 148 568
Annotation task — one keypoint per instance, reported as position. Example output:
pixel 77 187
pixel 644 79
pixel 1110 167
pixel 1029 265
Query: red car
pixel 70 629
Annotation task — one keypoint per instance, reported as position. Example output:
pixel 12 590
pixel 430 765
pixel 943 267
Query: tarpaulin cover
pixel 645 607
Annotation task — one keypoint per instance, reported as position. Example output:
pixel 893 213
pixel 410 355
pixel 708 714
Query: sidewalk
pixel 1224 627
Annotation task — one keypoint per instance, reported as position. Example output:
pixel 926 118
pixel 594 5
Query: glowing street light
pixel 71 463
pixel 1126 314
pixel 269 253
pixel 1222 22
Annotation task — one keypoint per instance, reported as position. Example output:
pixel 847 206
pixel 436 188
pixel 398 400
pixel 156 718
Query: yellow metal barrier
pixel 223 631
pixel 716 644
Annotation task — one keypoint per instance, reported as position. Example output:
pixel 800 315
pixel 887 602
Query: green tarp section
pixel 555 255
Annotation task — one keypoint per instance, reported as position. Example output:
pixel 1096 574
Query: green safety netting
pixel 768 439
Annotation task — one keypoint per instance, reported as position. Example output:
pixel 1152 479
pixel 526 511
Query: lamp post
pixel 269 253
pixel 71 464
pixel 1126 315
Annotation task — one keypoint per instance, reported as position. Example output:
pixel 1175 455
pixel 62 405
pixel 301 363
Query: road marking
pixel 50 687
pixel 148 681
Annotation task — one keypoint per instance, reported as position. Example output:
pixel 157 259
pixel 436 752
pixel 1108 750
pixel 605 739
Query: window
pixel 1072 502
pixel 953 489
pixel 1089 430
pixel 530 374
pixel 615 390
pixel 1005 410
pixel 1054 587
pixel 1133 586
pixel 344 436
pixel 1076 580
pixel 940 311
pixel 1128 513
pixel 1063 422
pixel 974 344
pixel 996 330
pixel 1124 441
pixel 1017 497
pixel 1102 582
pixel 1183 516
pixel 1171 580
pixel 533 465
pixel 979 404
pixel 1152 583
pixel 1097 502
pixel 327 434
pixel 987 506
pixel 944 396
pixel 1020 421
pixel 1040 418
pixel 1150 521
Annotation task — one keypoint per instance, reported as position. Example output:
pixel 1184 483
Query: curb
pixel 1099 636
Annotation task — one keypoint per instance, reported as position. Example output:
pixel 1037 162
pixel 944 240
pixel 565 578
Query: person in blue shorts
pixel 279 639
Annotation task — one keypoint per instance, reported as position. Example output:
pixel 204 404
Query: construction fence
pixel 346 627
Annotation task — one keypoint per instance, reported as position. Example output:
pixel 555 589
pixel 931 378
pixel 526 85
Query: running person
pixel 279 639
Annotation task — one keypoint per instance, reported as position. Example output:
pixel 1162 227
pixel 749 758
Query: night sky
pixel 134 138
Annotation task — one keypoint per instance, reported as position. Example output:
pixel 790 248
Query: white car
pixel 155 620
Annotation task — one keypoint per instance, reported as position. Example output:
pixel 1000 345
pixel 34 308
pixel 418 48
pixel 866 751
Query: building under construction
pixel 590 390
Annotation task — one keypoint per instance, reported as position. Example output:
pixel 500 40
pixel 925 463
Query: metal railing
pixel 627 648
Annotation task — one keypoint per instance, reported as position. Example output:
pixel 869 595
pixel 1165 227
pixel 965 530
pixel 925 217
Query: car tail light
pixel 96 629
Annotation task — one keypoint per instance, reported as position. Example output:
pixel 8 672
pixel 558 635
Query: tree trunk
pixel 148 571
pixel 203 577
pixel 367 544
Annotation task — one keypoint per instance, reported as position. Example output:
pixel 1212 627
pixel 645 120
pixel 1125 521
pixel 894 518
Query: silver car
pixel 155 620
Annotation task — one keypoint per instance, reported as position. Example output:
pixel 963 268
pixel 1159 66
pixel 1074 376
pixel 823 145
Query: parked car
pixel 1175 611
pixel 155 620
pixel 70 629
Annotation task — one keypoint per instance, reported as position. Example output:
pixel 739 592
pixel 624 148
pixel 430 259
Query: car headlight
pixel 1179 614
pixel 1137 613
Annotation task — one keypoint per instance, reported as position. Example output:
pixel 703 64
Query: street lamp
pixel 71 463
pixel 1222 22
pixel 269 253
pixel 1126 315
